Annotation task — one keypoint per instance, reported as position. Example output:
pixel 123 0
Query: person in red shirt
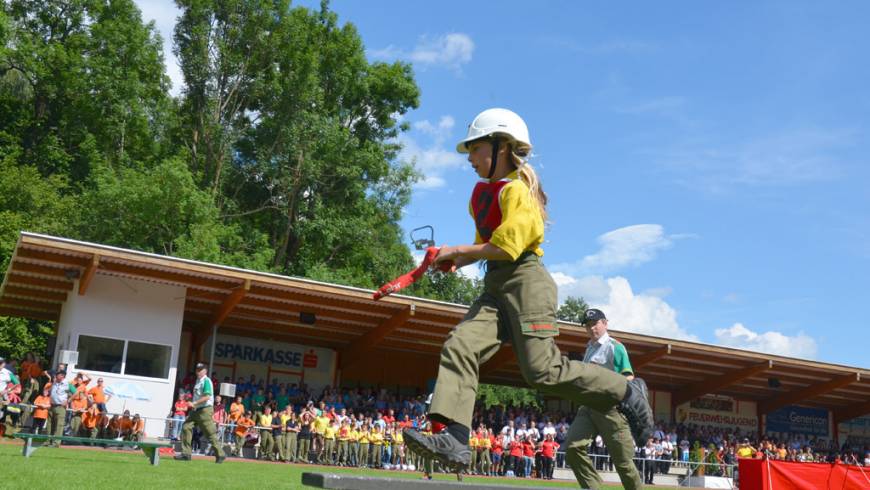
pixel 179 413
pixel 516 458
pixel 548 448
pixel 390 417
pixel 497 451
pixel 528 456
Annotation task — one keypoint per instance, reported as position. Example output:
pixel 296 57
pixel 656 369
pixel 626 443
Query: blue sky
pixel 707 163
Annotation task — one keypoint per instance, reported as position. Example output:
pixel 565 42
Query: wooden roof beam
pixel 88 275
pixel 780 401
pixel 651 356
pixel 34 293
pixel 13 279
pixel 715 383
pixel 220 315
pixel 35 315
pixel 354 352
pixel 230 303
pixel 498 360
pixel 846 414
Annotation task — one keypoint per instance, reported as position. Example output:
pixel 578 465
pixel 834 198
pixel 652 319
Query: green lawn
pixel 52 468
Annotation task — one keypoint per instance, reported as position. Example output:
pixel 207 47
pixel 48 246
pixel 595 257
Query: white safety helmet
pixel 501 123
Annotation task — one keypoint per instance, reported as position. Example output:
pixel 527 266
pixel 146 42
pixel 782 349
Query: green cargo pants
pixel 57 419
pixel 304 450
pixel 342 456
pixel 290 447
pixel 617 437
pixel 75 425
pixel 202 418
pixel 328 450
pixel 279 446
pixel 364 454
pixel 518 305
pixel 267 444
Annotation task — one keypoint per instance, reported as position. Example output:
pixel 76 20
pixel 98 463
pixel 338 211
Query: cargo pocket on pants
pixel 539 324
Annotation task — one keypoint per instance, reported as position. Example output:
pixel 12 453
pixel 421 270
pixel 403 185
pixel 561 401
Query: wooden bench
pixel 150 448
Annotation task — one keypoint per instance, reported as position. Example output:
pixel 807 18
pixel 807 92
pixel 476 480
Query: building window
pixel 124 357
pixel 99 354
pixel 150 360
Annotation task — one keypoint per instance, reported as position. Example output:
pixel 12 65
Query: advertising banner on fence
pixel 798 420
pixel 293 363
pixel 758 474
pixel 721 412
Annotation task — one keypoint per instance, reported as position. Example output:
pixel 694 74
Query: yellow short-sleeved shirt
pixel 377 438
pixel 320 424
pixel 522 226
pixel 398 438
pixel 353 435
pixel 745 452
pixel 472 442
pixel 484 442
pixel 265 420
pixel 363 437
pixel 329 432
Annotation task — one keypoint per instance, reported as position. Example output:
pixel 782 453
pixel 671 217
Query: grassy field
pixel 71 468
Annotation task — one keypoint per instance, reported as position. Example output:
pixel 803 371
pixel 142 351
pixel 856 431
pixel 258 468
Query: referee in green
pixel 611 425
pixel 201 414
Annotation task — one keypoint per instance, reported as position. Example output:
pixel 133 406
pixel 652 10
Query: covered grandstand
pixel 210 307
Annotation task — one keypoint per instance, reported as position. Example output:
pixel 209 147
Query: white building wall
pixel 135 310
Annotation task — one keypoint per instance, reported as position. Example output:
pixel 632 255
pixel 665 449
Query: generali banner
pixel 716 412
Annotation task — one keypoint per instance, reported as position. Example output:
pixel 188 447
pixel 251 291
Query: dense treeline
pixel 279 154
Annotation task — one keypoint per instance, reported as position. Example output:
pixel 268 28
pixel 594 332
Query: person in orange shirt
pixel 125 425
pixel 78 405
pixel 113 430
pixel 90 420
pixel 81 381
pixel 237 410
pixel 244 423
pixel 40 413
pixel 103 424
pixel 98 393
pixel 137 429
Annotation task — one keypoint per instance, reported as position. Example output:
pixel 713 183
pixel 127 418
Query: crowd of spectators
pixel 363 427
pixel 45 401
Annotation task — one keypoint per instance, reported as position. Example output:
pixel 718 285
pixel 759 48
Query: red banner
pixel 759 474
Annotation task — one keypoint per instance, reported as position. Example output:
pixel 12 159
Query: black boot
pixel 443 447
pixel 635 407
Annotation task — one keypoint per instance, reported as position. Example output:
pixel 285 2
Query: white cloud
pixel 164 14
pixel 449 50
pixel 628 246
pixel 800 345
pixel 437 156
pixel 627 311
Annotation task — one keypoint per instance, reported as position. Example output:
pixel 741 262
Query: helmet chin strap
pixel 495 145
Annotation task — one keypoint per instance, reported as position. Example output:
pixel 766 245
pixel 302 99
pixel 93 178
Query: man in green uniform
pixel 611 354
pixel 267 444
pixel 201 414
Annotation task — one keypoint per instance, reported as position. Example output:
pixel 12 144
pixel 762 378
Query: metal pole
pixel 211 350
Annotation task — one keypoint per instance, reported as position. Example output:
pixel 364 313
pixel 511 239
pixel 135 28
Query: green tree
pixel 83 83
pixel 508 396
pixel 572 310
pixel 162 210
pixel 318 171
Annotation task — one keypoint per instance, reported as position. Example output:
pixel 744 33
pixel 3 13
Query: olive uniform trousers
pixel 202 418
pixel 518 305
pixel 290 447
pixel 617 437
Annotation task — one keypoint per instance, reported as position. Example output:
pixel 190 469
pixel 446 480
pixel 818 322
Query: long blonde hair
pixel 528 175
